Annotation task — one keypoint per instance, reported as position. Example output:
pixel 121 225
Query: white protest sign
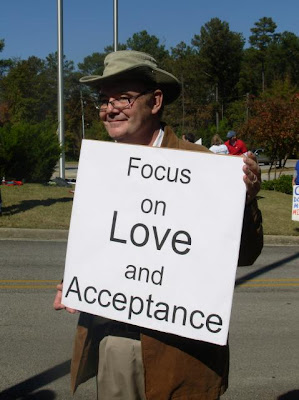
pixel 154 238
pixel 295 206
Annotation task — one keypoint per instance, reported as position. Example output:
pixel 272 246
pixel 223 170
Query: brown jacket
pixel 175 367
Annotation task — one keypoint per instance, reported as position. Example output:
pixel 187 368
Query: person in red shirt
pixel 235 146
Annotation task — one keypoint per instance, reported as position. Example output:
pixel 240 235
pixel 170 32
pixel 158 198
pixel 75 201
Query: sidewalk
pixel 71 169
pixel 62 235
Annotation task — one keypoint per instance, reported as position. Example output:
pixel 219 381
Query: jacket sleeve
pixel 252 240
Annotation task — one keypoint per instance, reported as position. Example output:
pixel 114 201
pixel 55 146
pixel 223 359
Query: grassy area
pixel 49 207
pixel 276 208
pixel 36 206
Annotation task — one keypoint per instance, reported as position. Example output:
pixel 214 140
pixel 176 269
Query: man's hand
pixel 57 301
pixel 252 177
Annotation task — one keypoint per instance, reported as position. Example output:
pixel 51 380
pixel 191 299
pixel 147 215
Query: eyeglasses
pixel 120 103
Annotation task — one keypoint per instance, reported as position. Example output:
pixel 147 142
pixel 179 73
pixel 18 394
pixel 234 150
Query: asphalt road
pixel 35 341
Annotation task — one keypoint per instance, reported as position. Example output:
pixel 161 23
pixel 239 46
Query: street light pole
pixel 217 112
pixel 183 105
pixel 60 87
pixel 82 115
pixel 216 100
pixel 115 24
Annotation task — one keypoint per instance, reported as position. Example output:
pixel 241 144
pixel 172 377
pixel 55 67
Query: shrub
pixel 28 151
pixel 268 185
pixel 282 184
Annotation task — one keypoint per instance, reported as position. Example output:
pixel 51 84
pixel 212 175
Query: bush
pixel 282 184
pixel 28 151
pixel 269 185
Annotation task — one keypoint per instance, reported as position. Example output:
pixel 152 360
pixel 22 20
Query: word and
pixel 159 172
pixel 135 306
pixel 144 274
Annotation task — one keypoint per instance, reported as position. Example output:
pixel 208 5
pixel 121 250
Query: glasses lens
pixel 120 103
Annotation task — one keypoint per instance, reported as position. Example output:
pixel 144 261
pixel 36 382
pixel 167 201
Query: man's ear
pixel 158 101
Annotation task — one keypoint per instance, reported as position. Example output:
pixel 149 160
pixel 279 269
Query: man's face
pixel 233 139
pixel 133 124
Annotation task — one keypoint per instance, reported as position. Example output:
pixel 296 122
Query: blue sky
pixel 29 27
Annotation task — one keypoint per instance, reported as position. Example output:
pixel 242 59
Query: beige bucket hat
pixel 130 64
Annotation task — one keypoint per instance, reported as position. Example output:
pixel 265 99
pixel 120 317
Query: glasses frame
pixel 131 100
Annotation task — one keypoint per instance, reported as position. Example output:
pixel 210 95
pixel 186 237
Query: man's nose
pixel 110 106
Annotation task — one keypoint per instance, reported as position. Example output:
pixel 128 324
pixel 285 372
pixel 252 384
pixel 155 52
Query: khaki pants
pixel 121 373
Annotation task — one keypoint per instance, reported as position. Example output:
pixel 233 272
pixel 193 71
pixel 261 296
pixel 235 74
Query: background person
pixel 235 146
pixel 130 362
pixel 217 145
pixel 295 180
pixel 189 137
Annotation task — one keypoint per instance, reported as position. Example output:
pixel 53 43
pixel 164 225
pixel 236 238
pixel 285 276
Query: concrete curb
pixel 62 235
pixel 33 234
pixel 276 240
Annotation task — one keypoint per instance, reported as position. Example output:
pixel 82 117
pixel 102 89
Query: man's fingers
pixel 71 310
pixel 57 301
pixel 252 176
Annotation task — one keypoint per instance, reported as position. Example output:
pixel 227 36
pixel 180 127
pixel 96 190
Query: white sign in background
pixel 295 206
pixel 154 238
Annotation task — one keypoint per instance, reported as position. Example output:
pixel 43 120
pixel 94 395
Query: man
pixel 133 363
pixel 235 146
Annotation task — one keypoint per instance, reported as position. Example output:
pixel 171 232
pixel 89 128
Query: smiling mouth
pixel 116 120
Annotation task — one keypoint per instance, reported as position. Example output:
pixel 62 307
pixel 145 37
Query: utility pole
pixel 115 24
pixel 217 112
pixel 216 100
pixel 82 115
pixel 60 87
pixel 247 107
pixel 183 105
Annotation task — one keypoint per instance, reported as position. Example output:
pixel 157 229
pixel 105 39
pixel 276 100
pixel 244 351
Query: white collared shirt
pixel 159 138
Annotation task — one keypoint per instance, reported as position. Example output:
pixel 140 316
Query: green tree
pixel 250 75
pixel 22 90
pixel 110 48
pixel 263 34
pixel 4 64
pixel 28 151
pixel 93 64
pixel 282 58
pixel 184 113
pixel 220 54
pixel 142 41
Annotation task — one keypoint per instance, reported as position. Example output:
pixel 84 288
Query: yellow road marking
pixel 51 283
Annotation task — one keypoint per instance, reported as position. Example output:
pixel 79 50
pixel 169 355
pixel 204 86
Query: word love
pixel 140 235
